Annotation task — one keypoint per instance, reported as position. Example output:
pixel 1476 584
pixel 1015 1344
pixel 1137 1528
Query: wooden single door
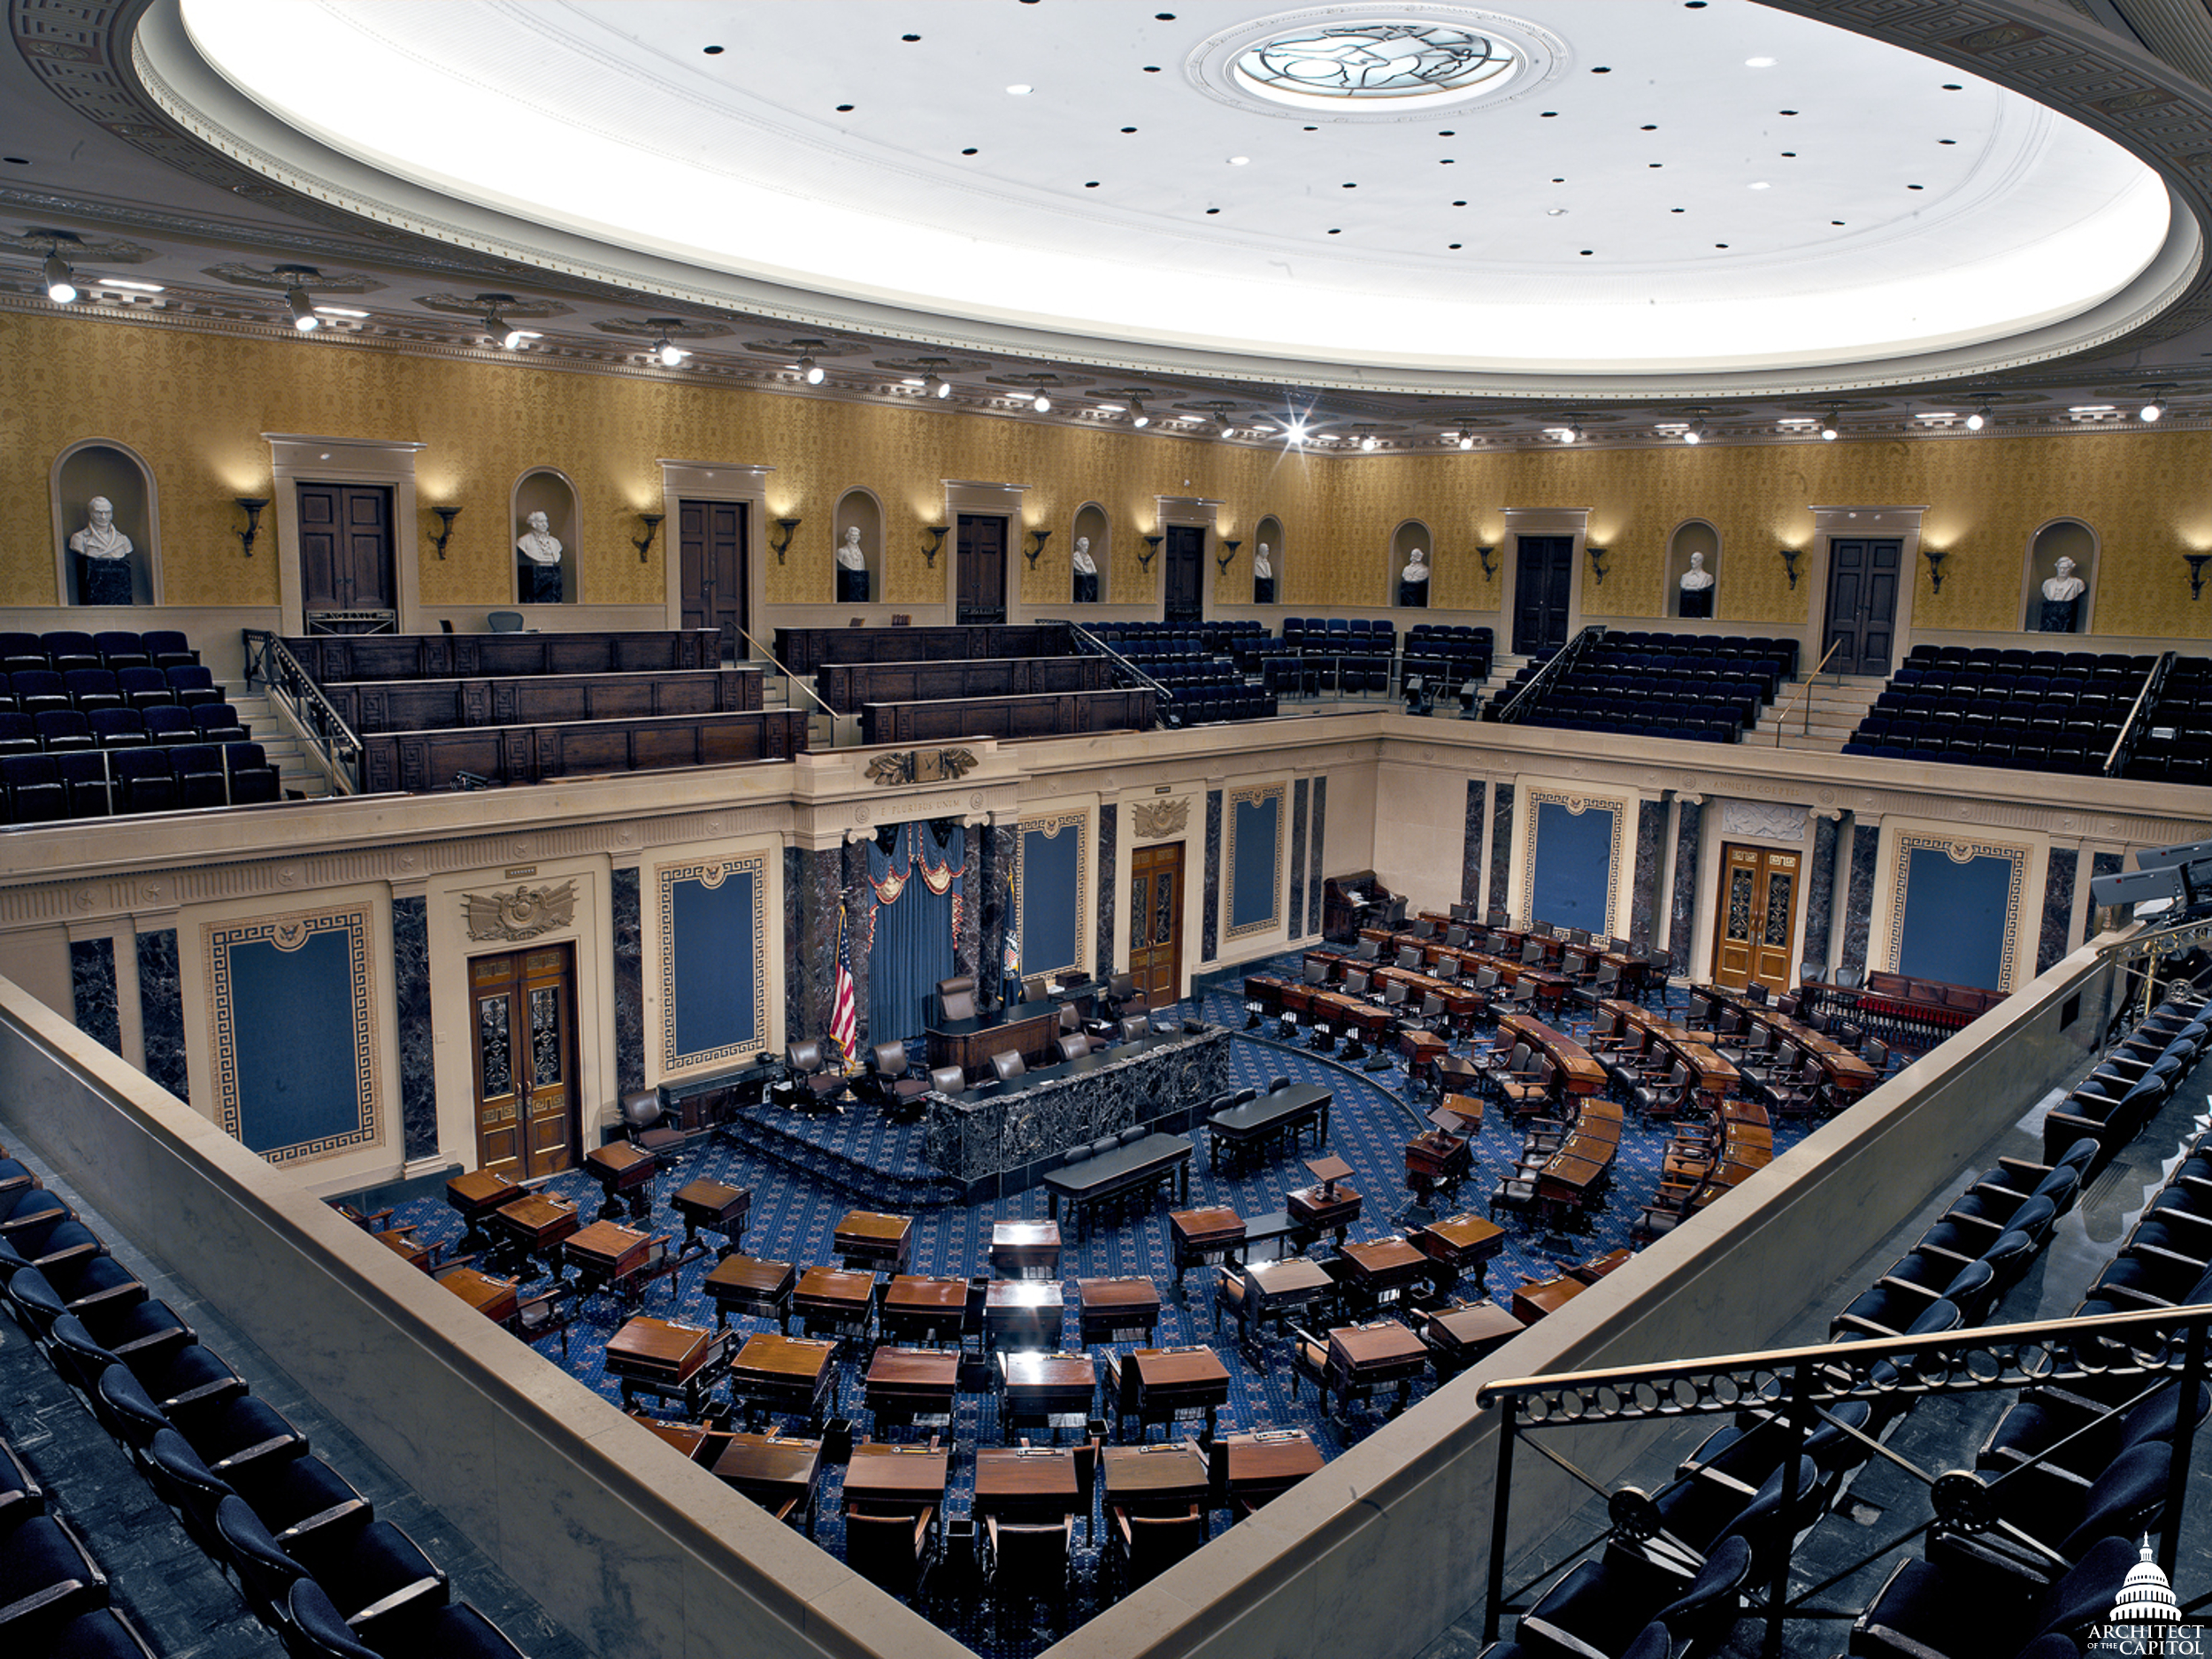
pixel 1186 577
pixel 710 558
pixel 1155 922
pixel 1756 931
pixel 345 533
pixel 525 1005
pixel 1543 581
pixel 981 584
pixel 1863 577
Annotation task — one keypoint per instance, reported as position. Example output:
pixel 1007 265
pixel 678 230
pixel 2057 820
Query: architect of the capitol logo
pixel 2145 1621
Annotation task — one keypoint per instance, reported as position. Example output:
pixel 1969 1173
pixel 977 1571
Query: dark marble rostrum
pixel 1317 851
pixel 92 992
pixel 1685 844
pixel 1820 893
pixel 1643 899
pixel 161 1010
pixel 1298 795
pixel 1501 845
pixel 1109 885
pixel 1208 924
pixel 629 982
pixel 1471 846
pixel 410 1000
pixel 2058 907
pixel 1866 847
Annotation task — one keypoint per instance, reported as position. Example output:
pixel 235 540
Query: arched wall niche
pixel 1091 520
pixel 860 509
pixel 101 466
pixel 2060 538
pixel 549 490
pixel 1268 590
pixel 1691 535
pixel 1405 540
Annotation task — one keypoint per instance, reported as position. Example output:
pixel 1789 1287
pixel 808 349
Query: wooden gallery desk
pixel 664 1357
pixel 793 1375
pixel 1025 1483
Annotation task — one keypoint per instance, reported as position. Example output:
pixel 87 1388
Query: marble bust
pixel 2061 600
pixel 1696 588
pixel 852 569
pixel 104 572
pixel 1086 572
pixel 1264 576
pixel 540 573
pixel 1413 580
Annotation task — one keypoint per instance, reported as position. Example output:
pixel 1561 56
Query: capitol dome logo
pixel 2145 1621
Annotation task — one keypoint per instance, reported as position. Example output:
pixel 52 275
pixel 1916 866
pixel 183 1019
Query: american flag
pixel 844 1021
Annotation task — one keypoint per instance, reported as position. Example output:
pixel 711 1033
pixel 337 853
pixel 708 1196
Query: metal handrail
pixel 1560 661
pixel 1165 693
pixel 1805 691
pixel 2151 680
pixel 293 691
pixel 788 675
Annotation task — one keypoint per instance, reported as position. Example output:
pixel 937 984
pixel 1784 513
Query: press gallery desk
pixel 1005 1139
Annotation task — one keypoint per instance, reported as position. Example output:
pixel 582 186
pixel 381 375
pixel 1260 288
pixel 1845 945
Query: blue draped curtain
pixel 917 890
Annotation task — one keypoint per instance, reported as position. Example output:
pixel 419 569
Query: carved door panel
pixel 1155 922
pixel 1185 576
pixel 524 1006
pixel 345 547
pixel 1543 583
pixel 1862 623
pixel 980 550
pixel 1756 930
pixel 711 569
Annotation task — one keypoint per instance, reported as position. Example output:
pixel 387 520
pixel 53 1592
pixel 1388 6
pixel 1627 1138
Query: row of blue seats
pixel 1970 748
pixel 316 1564
pixel 2020 658
pixel 1205 705
pixel 29 690
pixel 105 783
pixel 117 647
pixel 1682 726
pixel 51 730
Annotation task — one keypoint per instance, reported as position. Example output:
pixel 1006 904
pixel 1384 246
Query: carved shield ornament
pixel 523 913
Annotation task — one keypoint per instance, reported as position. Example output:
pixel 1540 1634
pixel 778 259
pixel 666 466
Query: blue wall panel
pixel 1571 878
pixel 1954 923
pixel 714 998
pixel 292 1032
pixel 1051 890
pixel 1254 882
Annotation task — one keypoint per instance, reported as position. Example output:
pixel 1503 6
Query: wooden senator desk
pixel 625 1174
pixel 1364 1359
pixel 664 1357
pixel 1458 1243
pixel 874 1241
pixel 1024 1313
pixel 1574 1176
pixel 1516 941
pixel 1199 1238
pixel 494 1298
pixel 795 1375
pixel 1161 1384
pixel 833 1300
pixel 1025 1250
pixel 898 1476
pixel 745 1284
pixel 1467 1333
pixel 605 1254
pixel 1848 1076
pixel 1029 1029
pixel 1025 1483
pixel 1116 1309
pixel 474 1196
pixel 906 1383
pixel 1535 1298
pixel 716 1208
pixel 1286 1112
pixel 535 1225
pixel 1266 1464
pixel 1711 1076
pixel 1578 1072
pixel 1378 1272
pixel 1050 1391
pixel 1460 1001
pixel 1154 1161
pixel 924 1310
pixel 777 1472
pixel 1168 1476
pixel 402 1242
pixel 1280 1290
pixel 1323 1207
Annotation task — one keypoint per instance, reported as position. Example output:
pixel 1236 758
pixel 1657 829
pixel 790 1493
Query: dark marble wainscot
pixel 1210 924
pixel 1820 891
pixel 1001 845
pixel 2058 907
pixel 859 901
pixel 629 982
pixel 1643 898
pixel 1866 850
pixel 1298 808
pixel 1690 817
pixel 1316 849
pixel 1473 842
pixel 92 992
pixel 967 945
pixel 809 938
pixel 1108 886
pixel 410 1003
pixel 1501 845
pixel 998 1145
pixel 161 1010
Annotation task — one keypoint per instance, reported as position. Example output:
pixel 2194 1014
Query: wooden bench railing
pixel 803 650
pixel 332 657
pixel 1034 715
pixel 422 761
pixel 424 705
pixel 848 687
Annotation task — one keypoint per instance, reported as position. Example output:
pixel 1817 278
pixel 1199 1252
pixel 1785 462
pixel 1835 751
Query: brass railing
pixel 294 693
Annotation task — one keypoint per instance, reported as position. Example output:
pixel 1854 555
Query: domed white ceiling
pixel 1647 189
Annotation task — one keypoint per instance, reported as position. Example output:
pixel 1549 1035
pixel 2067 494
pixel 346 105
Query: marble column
pixel 967 946
pixel 1858 918
pixel 2058 906
pixel 1298 793
pixel 1643 899
pixel 1108 884
pixel 411 1002
pixel 1001 844
pixel 809 938
pixel 853 891
pixel 1682 913
pixel 1500 846
pixel 161 1005
pixel 1820 891
pixel 1471 843
pixel 1315 852
pixel 625 890
pixel 1209 921
pixel 93 992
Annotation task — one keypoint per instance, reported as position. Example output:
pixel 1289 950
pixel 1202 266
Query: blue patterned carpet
pixel 806 1173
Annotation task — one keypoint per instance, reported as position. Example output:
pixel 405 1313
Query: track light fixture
pixel 668 353
pixel 1041 403
pixel 1367 443
pixel 1980 419
pixel 302 306
pixel 61 281
pixel 938 386
pixel 810 371
pixel 1221 419
pixel 1464 439
pixel 1137 417
pixel 2151 411
pixel 1828 427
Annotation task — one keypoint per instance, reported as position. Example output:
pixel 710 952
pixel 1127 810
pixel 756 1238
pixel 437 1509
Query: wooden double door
pixel 1543 589
pixel 711 569
pixel 524 1003
pixel 979 581
pixel 1861 633
pixel 1155 922
pixel 345 543
pixel 1755 933
pixel 1184 596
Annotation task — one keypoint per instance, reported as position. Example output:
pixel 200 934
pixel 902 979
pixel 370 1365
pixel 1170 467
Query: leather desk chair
pixel 1009 1065
pixel 806 1066
pixel 957 1005
pixel 1074 1047
pixel 949 1079
pixel 901 1091
pixel 646 1123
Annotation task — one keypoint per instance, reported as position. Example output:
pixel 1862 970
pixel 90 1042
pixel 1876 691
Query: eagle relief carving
pixel 523 914
pixel 1152 819
pixel 921 765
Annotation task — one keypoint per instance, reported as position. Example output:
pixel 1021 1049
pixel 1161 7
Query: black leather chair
pixel 806 1071
pixel 949 1079
pixel 1009 1065
pixel 896 1083
pixel 1075 1047
pixel 645 1121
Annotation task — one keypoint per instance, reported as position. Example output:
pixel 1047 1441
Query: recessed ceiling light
pixel 2091 409
pixel 140 288
pixel 1758 63
pixel 1239 161
pixel 1019 89
pixel 1111 409
pixel 711 51
pixel 1554 212
pixel 844 109
pixel 1760 185
pixel 321 311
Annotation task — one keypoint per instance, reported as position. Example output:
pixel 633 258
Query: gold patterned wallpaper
pixel 194 406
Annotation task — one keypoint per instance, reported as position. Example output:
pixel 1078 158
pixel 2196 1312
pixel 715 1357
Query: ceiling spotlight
pixel 1980 419
pixel 1694 433
pixel 1828 427
pixel 1221 418
pixel 1137 417
pixel 61 281
pixel 669 353
pixel 302 304
pixel 1295 430
pixel 1568 435
pixel 2151 411
pixel 1465 439
pixel 1368 443
pixel 938 386
pixel 810 371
